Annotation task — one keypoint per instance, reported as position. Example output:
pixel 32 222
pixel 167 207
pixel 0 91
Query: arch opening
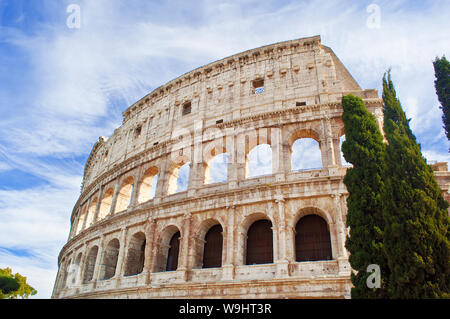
pixel 172 255
pixel 124 195
pixel 312 239
pixel 91 212
pixel 260 243
pixel 179 178
pixel 110 259
pixel 136 255
pixel 216 170
pixel 90 264
pixel 305 154
pixel 259 161
pixel 147 189
pixel 67 271
pixel 212 251
pixel 105 204
pixel 81 220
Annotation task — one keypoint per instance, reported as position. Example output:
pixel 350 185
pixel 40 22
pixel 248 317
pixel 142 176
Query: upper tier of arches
pixel 221 161
pixel 252 154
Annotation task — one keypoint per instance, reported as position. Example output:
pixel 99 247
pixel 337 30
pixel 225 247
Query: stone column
pixel 76 220
pixel 163 174
pixel 183 265
pixel 136 189
pixel 331 160
pixel 65 276
pixel 196 171
pixel 241 160
pixel 86 214
pixel 114 199
pixel 342 256
pixel 228 267
pixel 121 259
pixel 99 261
pixel 193 180
pixel 337 151
pixel 340 227
pixel 282 262
pixel 150 230
pixel 81 266
pixel 278 161
pixel 97 207
pixel 232 177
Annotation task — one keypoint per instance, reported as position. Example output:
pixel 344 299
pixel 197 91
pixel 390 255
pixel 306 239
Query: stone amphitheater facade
pixel 280 235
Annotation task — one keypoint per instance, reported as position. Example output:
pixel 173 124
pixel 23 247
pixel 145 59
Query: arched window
pixel 260 243
pixel 212 252
pixel 217 169
pixel 172 256
pixel 136 255
pixel 81 220
pixel 66 276
pixel 179 179
pixel 91 212
pixel 148 186
pixel 90 264
pixel 110 259
pixel 259 161
pixel 105 204
pixel 124 196
pixel 74 269
pixel 306 155
pixel 312 239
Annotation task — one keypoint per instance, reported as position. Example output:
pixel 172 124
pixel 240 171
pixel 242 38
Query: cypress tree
pixel 364 148
pixel 416 234
pixel 442 85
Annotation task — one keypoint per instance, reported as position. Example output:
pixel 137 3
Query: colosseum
pixel 137 233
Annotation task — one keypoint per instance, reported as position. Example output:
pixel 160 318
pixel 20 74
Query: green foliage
pixel 442 85
pixel 416 234
pixel 364 148
pixel 8 285
pixel 14 286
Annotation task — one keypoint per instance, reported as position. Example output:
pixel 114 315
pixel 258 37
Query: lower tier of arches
pixel 320 279
pixel 279 231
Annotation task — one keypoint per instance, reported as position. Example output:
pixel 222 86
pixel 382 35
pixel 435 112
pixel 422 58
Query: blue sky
pixel 62 88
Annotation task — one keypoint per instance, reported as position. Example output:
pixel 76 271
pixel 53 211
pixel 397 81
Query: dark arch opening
pixel 212 253
pixel 260 243
pixel 110 259
pixel 312 239
pixel 172 256
pixel 136 255
pixel 90 264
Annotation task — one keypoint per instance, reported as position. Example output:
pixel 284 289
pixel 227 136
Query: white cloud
pixel 36 221
pixel 306 154
pixel 219 168
pixel 40 277
pixel 431 156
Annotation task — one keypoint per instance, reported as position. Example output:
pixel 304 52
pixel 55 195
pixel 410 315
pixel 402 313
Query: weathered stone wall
pixel 303 82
